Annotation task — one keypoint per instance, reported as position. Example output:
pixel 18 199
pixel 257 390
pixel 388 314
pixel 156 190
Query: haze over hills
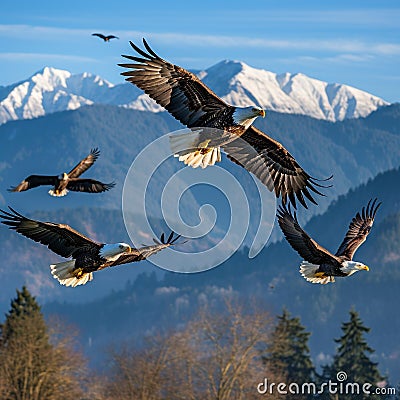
pixel 272 279
pixel 353 150
pixel 51 90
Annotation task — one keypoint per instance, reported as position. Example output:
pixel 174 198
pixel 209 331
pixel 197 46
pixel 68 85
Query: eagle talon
pixel 78 273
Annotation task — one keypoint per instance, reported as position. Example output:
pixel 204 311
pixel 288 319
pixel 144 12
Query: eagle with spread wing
pixel 87 255
pixel 320 265
pixel 64 182
pixel 104 37
pixel 192 103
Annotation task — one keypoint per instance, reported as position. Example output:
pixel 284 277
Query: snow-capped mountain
pixel 51 90
pixel 241 85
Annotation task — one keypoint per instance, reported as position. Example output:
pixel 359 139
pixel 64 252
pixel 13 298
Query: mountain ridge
pixel 50 90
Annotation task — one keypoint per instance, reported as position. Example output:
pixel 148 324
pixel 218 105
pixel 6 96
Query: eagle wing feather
pixel 359 229
pixel 62 239
pixel 273 165
pixel 145 252
pixel 179 91
pixel 299 239
pixel 33 181
pixel 89 185
pixel 100 35
pixel 84 164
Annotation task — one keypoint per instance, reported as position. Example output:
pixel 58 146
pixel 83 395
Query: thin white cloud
pixel 43 56
pixel 33 31
pixel 390 78
pixel 352 58
pixel 348 58
pixel 373 17
pixel 217 41
pixel 333 45
pixel 339 59
pixel 388 48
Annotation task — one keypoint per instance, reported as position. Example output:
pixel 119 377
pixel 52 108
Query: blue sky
pixel 351 42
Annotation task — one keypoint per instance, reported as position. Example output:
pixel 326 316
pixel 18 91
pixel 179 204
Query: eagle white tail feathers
pixel 201 158
pixel 65 273
pixel 59 194
pixel 309 272
pixel 186 146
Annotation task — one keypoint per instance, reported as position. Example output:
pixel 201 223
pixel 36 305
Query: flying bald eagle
pixel 319 265
pixel 87 255
pixel 65 182
pixel 105 38
pixel 192 103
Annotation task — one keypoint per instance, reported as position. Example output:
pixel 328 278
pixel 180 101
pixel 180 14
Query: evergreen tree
pixel 288 355
pixel 352 357
pixel 31 367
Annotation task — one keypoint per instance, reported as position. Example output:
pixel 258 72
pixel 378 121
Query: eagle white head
pixel 245 116
pixel 351 267
pixel 111 252
pixel 63 176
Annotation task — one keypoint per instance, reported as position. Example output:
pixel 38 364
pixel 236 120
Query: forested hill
pixel 352 150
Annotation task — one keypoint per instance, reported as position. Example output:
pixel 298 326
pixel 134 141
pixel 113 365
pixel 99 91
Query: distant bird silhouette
pixel 64 182
pixel 105 38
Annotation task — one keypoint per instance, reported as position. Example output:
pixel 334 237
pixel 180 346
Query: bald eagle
pixel 192 103
pixel 65 182
pixel 105 38
pixel 319 265
pixel 87 255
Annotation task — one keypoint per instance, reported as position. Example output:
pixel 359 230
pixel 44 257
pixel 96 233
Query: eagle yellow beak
pixel 129 249
pixel 262 113
pixel 366 268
